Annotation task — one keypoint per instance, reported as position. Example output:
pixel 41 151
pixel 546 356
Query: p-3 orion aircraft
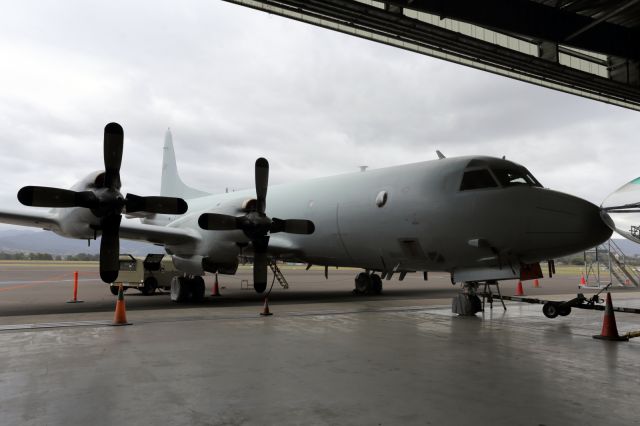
pixel 481 219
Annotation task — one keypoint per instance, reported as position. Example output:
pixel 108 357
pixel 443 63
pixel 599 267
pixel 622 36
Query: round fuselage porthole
pixel 381 199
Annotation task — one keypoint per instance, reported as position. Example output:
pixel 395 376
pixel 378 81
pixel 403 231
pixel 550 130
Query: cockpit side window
pixel 513 176
pixel 477 179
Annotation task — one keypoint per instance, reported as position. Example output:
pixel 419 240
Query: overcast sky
pixel 234 84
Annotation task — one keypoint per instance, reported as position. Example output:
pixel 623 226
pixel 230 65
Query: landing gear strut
pixel 368 283
pixel 467 301
pixel 185 288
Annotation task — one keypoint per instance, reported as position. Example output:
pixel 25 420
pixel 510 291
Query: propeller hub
pixel 255 225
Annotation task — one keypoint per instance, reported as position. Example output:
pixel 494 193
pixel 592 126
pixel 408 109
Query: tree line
pixel 81 257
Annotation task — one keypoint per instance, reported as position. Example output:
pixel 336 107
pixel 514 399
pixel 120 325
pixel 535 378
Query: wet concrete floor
pixel 325 357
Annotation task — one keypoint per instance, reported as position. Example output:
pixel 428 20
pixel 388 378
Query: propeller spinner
pixel 257 225
pixel 106 203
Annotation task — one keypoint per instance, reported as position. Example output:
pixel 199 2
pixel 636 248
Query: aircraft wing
pixel 162 235
pixel 37 219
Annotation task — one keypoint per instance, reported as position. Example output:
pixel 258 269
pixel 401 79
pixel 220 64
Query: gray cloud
pixel 234 84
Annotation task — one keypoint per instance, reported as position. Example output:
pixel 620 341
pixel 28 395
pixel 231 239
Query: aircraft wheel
pixel 564 310
pixel 113 290
pixel 179 289
pixel 198 288
pixel 363 283
pixel 376 284
pixel 550 310
pixel 150 285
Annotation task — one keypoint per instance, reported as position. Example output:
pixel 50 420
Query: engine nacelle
pixel 78 222
pixel 91 182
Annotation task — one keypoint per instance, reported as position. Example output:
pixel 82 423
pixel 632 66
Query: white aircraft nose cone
pixel 623 212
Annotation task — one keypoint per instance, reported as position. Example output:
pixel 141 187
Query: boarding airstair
pixel 279 276
pixel 608 264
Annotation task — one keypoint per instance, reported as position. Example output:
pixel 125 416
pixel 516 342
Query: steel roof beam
pixel 536 21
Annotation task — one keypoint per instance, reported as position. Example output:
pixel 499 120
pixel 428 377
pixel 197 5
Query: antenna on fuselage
pixel 440 155
pixel 363 168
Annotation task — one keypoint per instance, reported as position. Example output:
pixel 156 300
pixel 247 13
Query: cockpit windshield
pixel 481 174
pixel 515 176
pixel 477 179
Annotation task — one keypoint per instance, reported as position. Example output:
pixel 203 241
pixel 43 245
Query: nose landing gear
pixel 467 302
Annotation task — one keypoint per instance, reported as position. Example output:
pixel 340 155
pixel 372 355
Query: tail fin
pixel 171 184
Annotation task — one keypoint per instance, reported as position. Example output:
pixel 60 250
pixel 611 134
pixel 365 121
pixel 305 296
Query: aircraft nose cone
pixel 563 224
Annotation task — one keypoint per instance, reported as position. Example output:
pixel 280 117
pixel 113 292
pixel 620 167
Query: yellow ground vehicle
pixel 148 274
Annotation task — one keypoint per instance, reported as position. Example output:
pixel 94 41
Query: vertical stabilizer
pixel 171 184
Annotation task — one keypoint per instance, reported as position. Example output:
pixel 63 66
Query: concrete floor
pixel 396 359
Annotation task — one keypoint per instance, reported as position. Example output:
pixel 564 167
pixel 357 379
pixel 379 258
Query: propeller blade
pixel 260 272
pixel 292 226
pixel 262 182
pixel 113 144
pixel 260 264
pixel 218 222
pixel 633 207
pixel 44 196
pixel 110 248
pixel 162 205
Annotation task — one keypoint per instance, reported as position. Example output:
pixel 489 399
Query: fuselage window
pixel 511 177
pixel 477 179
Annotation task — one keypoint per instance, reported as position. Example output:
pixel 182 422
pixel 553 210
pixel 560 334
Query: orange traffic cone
pixel 265 311
pixel 583 282
pixel 536 283
pixel 75 289
pixel 120 317
pixel 519 290
pixel 609 327
pixel 215 291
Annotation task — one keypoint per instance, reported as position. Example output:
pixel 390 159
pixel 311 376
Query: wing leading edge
pixel 162 235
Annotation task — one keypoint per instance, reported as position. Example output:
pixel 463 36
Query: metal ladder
pixel 279 276
pixel 609 259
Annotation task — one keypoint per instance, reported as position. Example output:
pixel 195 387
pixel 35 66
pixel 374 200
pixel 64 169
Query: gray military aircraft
pixel 480 218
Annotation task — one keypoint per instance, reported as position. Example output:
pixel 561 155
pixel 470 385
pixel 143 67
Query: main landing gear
pixel 185 288
pixel 368 283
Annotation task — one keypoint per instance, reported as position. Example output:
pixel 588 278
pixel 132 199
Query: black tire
pixel 564 310
pixel 476 303
pixel 197 288
pixel 113 290
pixel 376 284
pixel 550 310
pixel 363 283
pixel 150 286
pixel 179 289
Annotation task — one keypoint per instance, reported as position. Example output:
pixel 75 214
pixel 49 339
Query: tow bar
pixel 552 308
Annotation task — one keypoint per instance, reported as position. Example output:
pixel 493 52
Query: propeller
pixel 105 202
pixel 622 212
pixel 257 226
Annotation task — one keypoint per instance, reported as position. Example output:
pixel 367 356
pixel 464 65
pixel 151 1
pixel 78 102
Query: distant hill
pixel 13 241
pixel 628 247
